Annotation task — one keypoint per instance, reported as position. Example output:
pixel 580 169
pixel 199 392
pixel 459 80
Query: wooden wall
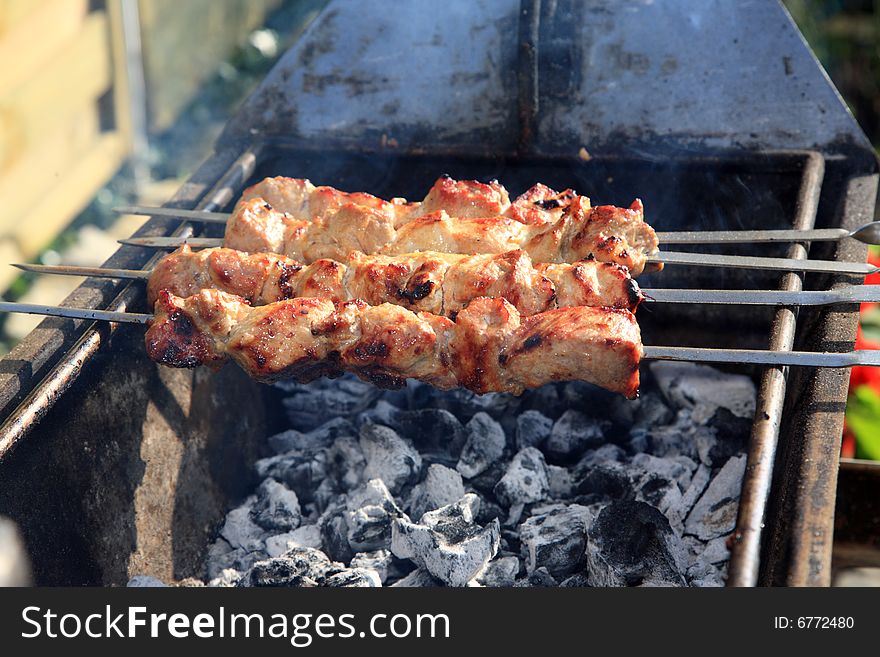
pixel 64 101
pixel 63 128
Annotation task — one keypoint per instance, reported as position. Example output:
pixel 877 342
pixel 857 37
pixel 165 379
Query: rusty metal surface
pixel 746 546
pixel 417 76
pixel 857 518
pixel 111 465
pixel 798 541
pixel 613 76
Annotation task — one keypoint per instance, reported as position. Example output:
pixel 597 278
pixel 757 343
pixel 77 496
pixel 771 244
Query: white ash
pixel 448 543
pixel 566 485
pixel 483 446
pixel 389 457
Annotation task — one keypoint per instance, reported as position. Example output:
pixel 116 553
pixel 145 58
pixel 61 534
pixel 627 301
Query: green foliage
pixel 863 418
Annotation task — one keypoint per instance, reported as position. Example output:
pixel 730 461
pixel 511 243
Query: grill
pixel 121 467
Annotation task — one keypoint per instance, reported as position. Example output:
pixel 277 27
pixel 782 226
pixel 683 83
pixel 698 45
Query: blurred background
pixel 116 102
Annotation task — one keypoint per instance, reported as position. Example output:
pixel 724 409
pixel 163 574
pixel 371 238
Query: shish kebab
pixel 489 347
pixel 439 283
pixel 607 233
pixel 299 197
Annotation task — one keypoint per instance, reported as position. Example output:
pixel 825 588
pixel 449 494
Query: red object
pixel 865 375
pixel 848 446
pixel 871 279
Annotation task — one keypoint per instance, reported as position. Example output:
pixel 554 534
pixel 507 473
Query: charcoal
pixel 301 471
pixel 240 531
pixel 226 578
pixel 319 438
pixel 573 434
pixel 698 484
pixel 604 482
pixel 440 487
pixel 346 462
pixel 651 411
pixel 525 481
pixel 729 438
pixel 587 398
pixel 539 577
pixel 488 512
pixel 631 544
pixel 545 399
pixel 353 578
pixel 222 556
pixel 603 454
pixel 334 534
pixel 371 510
pixel 145 581
pixel 419 578
pixel 577 581
pixel 486 481
pixel 555 537
pixel 714 514
pixel 560 481
pixel 500 572
pixel 276 508
pixel 434 431
pixel 716 550
pixel 296 567
pixel 484 445
pixel 389 457
pixel 464 404
pixel 306 536
pixel 325 496
pixel 674 440
pixel 310 405
pixel 677 469
pixel 447 542
pixel 532 429
pixel 379 561
pixel 704 574
pixel 687 384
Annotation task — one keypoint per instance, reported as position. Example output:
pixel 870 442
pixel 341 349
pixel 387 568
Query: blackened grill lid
pixel 612 76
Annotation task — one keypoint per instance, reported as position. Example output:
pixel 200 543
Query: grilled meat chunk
pixel 439 283
pixel 606 233
pixel 489 347
pixel 469 199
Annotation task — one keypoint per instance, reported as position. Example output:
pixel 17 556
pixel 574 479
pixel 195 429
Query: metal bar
pixel 751 236
pixel 94 272
pixel 759 262
pixel 745 550
pixel 62 375
pixel 864 357
pixel 171 243
pixel 176 213
pixel 527 72
pixel 858 358
pixel 843 295
pixel 75 313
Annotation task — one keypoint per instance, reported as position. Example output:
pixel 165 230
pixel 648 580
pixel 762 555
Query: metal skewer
pixel 842 295
pixel 665 257
pixel 193 215
pixel 75 313
pixel 869 233
pixel 700 354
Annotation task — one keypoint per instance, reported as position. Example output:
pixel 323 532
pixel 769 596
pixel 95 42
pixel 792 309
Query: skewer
pixel 707 355
pixel 868 234
pixel 75 313
pixel 842 295
pixel 666 257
